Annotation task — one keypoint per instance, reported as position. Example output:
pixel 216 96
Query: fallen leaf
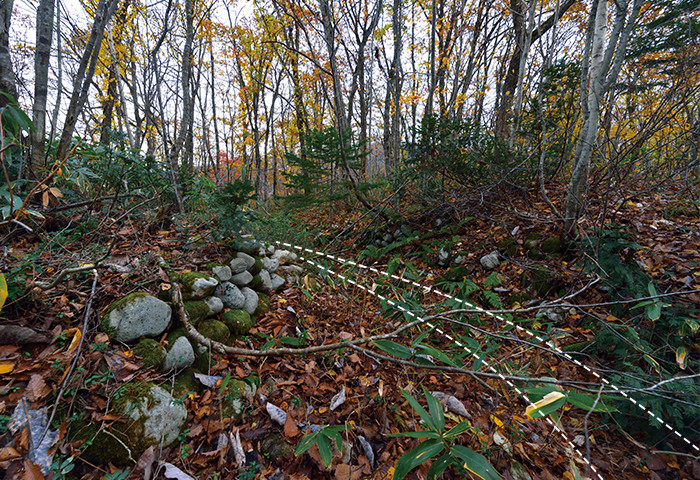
pixel 291 430
pixel 276 414
pixel 171 471
pixel 36 388
pixel 32 471
pixel 6 367
pixel 338 399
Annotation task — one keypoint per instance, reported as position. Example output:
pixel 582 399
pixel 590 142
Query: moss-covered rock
pixel 455 274
pixel 151 352
pixel 134 316
pixel 263 304
pixel 197 310
pixel 204 362
pixel 175 334
pixel 152 417
pixel 541 280
pixel 239 322
pixel 214 329
pixel 257 266
pixel 185 383
pixel 507 247
pixel 256 283
pixel 532 240
pixel 519 298
pixel 196 285
pixel 235 397
pixel 276 449
pixel 551 245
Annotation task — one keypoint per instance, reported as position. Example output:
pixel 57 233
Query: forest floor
pixel 664 234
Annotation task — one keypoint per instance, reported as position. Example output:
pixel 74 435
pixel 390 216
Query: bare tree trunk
pixel 7 75
pixel 601 76
pixel 42 56
pixel 86 70
pixel 431 53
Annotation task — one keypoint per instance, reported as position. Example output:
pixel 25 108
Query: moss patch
pixel 263 304
pixel 275 448
pixel 257 266
pixel 507 247
pixel 189 290
pixel 551 245
pixel 239 322
pixel 256 283
pixel 214 329
pixel 151 352
pixel 203 362
pixel 234 398
pixel 197 311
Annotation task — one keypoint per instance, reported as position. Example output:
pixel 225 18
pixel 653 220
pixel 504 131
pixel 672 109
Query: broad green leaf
pixel 475 463
pixel 457 429
pixel 436 412
pixel 439 466
pixel 3 290
pixel 549 404
pixel 420 434
pixel 395 349
pixel 586 401
pixel 324 448
pixel 654 364
pixel 306 443
pixel 654 311
pixel 437 354
pixel 416 456
pixel 335 435
pixel 420 411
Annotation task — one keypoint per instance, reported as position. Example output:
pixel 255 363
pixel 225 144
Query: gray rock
pixel 180 356
pixel 196 285
pixel 276 282
pixel 490 261
pixel 291 273
pixel 285 256
pixel 387 237
pixel 251 300
pixel 459 260
pixel 443 257
pixel 270 264
pixel 249 261
pixel 137 315
pixel 270 249
pixel 230 295
pixel 242 279
pixel 238 265
pixel 215 304
pixel 222 272
pixel 162 417
pixel 266 281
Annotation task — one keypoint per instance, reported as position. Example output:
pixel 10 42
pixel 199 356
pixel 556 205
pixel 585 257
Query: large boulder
pixel 196 285
pixel 230 295
pixel 153 418
pixel 136 315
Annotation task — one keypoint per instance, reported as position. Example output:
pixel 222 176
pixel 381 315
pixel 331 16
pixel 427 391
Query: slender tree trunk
pixel 7 75
pixel 86 70
pixel 431 53
pixel 42 56
pixel 601 76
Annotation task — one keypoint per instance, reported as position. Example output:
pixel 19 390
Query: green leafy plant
pixel 61 467
pixel 118 475
pixel 442 442
pixel 229 202
pixel 323 439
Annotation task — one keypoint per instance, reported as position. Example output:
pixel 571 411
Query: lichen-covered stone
pixel 490 261
pixel 276 449
pixel 151 352
pixel 284 256
pixel 251 300
pixel 196 285
pixel 249 260
pixel 222 272
pixel 270 264
pixel 135 316
pixel 180 355
pixel 266 281
pixel 238 265
pixel 263 304
pixel 214 329
pixel 215 304
pixel 230 295
pixel 242 279
pixel 239 322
